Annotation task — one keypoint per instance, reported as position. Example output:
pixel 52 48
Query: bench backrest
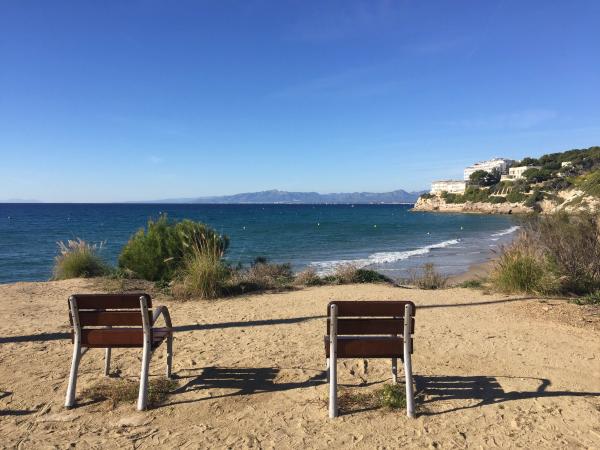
pixel 110 320
pixel 371 329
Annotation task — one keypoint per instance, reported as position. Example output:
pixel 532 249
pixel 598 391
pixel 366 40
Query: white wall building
pixel 450 186
pixel 516 173
pixel 500 164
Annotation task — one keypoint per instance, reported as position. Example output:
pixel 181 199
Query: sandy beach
pixel 491 371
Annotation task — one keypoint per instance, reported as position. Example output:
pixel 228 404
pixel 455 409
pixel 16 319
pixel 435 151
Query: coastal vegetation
pixel 78 259
pixel 428 278
pixel 187 259
pixel 548 177
pixel 554 254
pixel 159 251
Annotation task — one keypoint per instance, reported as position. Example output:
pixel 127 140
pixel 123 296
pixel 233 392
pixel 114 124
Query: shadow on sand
pixel 485 390
pixel 242 381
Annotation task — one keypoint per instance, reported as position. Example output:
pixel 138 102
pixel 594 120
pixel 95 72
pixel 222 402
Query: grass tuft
pixel 78 259
pixel 390 396
pixel 590 299
pixel 471 284
pixel 120 391
pixel 429 278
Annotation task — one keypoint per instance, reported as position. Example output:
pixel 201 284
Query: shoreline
pixel 477 271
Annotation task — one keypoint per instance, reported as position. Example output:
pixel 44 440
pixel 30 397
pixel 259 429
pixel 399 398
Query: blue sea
pixel 388 238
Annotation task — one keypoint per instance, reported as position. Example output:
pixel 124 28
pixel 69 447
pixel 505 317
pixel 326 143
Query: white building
pixel 516 173
pixel 500 164
pixel 450 186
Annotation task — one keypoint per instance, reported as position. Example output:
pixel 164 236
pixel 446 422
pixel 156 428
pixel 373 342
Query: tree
pixel 529 162
pixel 482 178
pixel 537 175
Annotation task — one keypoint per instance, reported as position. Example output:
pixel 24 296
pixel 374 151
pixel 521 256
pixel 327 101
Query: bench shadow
pixel 242 381
pixel 13 412
pixel 486 390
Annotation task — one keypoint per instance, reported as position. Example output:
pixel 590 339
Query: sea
pixel 388 238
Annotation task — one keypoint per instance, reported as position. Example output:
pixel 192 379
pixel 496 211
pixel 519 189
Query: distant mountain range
pixel 276 196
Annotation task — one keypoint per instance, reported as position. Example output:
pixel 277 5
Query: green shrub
pixel 590 299
pixel 392 396
pixel 590 183
pixel 203 275
pixel 494 199
pixel 520 269
pixel 515 196
pixel 429 278
pixel 157 252
pixel 536 196
pixel 349 273
pixel 471 284
pixel 78 259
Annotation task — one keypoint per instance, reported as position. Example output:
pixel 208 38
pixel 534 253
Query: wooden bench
pixel 370 329
pixel 117 321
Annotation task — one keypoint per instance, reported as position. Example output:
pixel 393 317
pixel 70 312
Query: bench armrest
pixel 164 311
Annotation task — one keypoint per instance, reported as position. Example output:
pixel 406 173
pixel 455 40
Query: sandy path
pixel 492 371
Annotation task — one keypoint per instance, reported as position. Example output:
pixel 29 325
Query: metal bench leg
pixel 407 338
pixel 333 406
pixel 143 392
pixel 72 388
pixel 107 362
pixel 395 370
pixel 169 355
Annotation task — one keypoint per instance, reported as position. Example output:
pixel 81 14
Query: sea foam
pixel 327 267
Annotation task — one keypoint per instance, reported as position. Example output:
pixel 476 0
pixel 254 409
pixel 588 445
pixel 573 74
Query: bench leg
pixel 107 362
pixel 395 370
pixel 143 392
pixel 410 397
pixel 72 388
pixel 333 407
pixel 169 355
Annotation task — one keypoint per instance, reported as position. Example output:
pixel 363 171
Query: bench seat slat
pixel 367 347
pixel 120 337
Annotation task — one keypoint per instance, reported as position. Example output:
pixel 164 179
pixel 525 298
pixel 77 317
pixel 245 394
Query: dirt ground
pixel 490 371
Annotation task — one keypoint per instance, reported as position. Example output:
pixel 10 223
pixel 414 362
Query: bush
pixel 520 269
pixel 392 396
pixel 203 274
pixel 308 277
pixel 572 244
pixel 590 299
pixel 429 278
pixel 262 275
pixel 471 284
pixel 349 273
pixel 78 259
pixel 159 251
pixel 536 196
pixel 515 196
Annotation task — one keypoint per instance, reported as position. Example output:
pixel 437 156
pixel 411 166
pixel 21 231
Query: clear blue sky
pixel 126 100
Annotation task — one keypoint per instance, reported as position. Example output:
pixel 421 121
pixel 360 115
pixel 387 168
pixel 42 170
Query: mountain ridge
pixel 276 196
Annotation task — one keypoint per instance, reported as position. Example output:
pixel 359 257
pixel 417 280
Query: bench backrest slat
pixel 111 301
pixel 371 308
pixel 369 326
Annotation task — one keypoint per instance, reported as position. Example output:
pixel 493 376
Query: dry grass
pixel 78 259
pixel 429 278
pixel 308 277
pixel 120 391
pixel 390 396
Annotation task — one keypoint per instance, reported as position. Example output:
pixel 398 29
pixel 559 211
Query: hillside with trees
pixel 567 180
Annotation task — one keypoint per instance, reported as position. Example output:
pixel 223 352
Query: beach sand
pixel 491 371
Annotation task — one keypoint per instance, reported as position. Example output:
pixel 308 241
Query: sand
pixel 491 371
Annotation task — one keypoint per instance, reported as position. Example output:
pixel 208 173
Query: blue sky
pixel 126 100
